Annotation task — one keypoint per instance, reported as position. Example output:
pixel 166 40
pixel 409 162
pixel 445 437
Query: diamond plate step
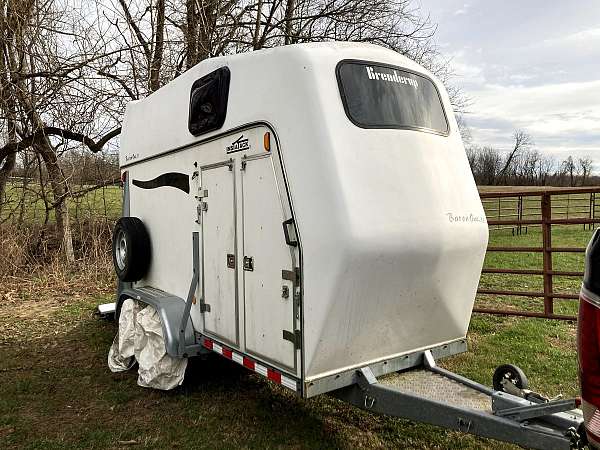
pixel 427 384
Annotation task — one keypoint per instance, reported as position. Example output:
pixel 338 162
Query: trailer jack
pixel 433 395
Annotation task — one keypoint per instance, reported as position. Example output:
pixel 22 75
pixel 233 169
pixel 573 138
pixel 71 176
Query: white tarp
pixel 121 353
pixel 140 338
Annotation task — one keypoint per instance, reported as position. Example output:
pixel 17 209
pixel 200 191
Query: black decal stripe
pixel 177 180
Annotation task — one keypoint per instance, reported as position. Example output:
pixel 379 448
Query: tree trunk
pixel 256 36
pixel 60 193
pixel 289 14
pixel 5 171
pixel 191 34
pixel 159 43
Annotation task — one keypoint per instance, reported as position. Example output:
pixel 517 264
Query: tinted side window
pixel 208 102
pixel 381 96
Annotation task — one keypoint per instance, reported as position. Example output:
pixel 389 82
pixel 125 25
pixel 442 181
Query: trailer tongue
pixel 433 395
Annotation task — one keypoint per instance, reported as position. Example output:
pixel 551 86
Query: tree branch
pixel 28 141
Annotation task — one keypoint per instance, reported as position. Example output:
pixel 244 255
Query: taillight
pixel 588 349
pixel 588 340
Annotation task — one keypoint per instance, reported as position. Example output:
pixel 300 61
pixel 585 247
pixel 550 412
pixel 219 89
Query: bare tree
pixel 522 141
pixel 488 163
pixel 67 69
pixel 37 81
pixel 585 166
pixel 568 167
pixel 546 166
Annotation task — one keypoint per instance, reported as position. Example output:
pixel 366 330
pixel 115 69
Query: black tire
pixel 512 373
pixel 131 249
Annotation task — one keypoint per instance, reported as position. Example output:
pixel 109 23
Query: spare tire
pixel 131 249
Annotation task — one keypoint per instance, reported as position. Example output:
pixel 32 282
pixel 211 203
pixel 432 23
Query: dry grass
pixel 33 249
pixel 37 286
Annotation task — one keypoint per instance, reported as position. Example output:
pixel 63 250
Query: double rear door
pixel 246 261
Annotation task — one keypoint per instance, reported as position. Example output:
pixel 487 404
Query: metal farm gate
pixel 521 209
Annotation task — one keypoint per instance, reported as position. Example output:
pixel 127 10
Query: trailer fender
pixel 170 309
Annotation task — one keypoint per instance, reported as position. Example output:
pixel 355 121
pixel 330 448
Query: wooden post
pixel 592 213
pixel 547 244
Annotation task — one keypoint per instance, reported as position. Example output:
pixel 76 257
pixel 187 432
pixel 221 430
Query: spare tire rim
pixel 121 250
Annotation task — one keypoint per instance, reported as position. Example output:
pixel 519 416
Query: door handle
pixel 286 232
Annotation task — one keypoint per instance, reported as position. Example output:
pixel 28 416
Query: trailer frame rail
pixel 552 425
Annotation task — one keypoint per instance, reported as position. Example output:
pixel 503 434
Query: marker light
pixel 267 141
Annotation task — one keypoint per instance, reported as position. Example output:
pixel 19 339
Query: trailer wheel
pixel 131 249
pixel 511 373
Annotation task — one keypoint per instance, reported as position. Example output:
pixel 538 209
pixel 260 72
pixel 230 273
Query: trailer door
pixel 268 298
pixel 219 268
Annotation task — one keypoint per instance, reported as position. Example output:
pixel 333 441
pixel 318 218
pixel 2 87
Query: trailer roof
pixel 270 85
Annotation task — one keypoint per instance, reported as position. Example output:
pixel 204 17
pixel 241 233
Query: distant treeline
pixel 524 165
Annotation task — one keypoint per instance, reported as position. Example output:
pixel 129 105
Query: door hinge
pixel 204 307
pixel 294 337
pixel 291 275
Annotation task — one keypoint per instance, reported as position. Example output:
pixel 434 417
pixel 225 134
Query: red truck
pixel 588 342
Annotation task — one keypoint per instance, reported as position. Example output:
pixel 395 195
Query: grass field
pixel 562 236
pixel 102 202
pixel 56 391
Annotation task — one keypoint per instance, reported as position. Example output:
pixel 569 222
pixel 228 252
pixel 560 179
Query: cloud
pixel 520 77
pixel 532 65
pixel 583 36
pixel 563 118
pixel 464 10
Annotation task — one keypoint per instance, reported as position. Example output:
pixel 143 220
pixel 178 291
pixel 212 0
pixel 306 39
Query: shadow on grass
pixel 58 393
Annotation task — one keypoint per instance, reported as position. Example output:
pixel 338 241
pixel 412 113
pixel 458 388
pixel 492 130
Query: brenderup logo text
pixel 393 77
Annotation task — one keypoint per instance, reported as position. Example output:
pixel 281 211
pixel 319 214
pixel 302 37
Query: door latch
pixel 294 337
pixel 230 261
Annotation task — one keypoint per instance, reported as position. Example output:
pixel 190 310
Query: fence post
pixel 593 225
pixel 547 244
pixel 592 214
pixel 498 217
pixel 520 216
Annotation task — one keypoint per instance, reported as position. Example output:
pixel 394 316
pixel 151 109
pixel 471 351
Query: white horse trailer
pixel 309 212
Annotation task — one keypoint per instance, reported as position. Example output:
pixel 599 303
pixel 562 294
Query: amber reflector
pixel 267 141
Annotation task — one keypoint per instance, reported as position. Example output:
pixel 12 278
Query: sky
pixel 529 64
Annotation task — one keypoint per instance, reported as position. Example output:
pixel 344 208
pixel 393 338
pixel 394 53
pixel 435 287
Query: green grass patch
pixel 28 203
